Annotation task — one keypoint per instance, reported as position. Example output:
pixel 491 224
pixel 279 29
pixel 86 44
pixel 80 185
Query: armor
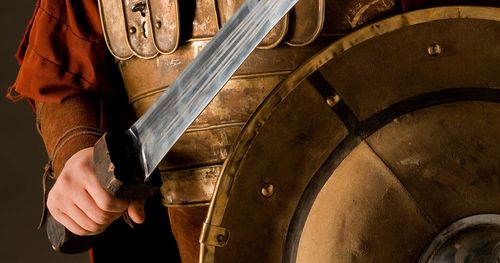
pixel 155 40
pixel 383 134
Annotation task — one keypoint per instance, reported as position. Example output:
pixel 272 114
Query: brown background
pixel 22 157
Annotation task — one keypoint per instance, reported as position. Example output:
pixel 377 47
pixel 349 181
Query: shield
pixel 383 147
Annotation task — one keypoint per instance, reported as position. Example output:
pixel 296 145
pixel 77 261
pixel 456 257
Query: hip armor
pixel 154 40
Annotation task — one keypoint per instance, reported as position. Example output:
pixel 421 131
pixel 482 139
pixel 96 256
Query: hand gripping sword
pixel 123 162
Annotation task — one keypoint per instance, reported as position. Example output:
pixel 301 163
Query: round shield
pixel 384 147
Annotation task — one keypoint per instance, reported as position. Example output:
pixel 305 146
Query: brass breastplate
pixel 155 40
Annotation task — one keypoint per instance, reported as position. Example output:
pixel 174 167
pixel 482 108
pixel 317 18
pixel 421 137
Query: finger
pixel 79 217
pixel 70 224
pixel 104 200
pixel 88 205
pixel 136 211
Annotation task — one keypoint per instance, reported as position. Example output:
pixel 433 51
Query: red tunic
pixel 63 53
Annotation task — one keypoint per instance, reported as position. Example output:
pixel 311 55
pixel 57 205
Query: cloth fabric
pixel 63 54
pixel 75 87
pixel 187 237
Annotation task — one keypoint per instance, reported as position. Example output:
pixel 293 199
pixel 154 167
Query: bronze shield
pixel 370 149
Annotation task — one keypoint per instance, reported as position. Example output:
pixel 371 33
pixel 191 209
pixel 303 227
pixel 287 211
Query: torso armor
pixel 154 40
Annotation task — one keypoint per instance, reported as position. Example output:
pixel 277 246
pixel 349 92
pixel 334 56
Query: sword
pixel 123 162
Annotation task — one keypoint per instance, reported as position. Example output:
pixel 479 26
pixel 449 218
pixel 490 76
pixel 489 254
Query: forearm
pixel 69 127
pixel 77 123
pixel 69 130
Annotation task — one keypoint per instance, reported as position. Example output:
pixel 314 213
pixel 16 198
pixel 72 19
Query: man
pixel 72 82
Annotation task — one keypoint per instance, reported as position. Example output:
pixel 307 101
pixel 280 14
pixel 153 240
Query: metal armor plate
pixel 370 149
pixel 227 8
pixel 196 159
pixel 165 21
pixel 146 28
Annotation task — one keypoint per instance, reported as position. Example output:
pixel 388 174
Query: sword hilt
pixel 119 173
pixel 64 240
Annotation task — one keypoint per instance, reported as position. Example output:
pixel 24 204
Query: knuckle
pixel 112 204
pixel 50 201
pixel 51 206
pixel 94 232
pixel 63 180
pixel 104 219
pixel 90 227
pixel 94 229
pixel 57 215
pixel 77 231
pixel 53 203
pixel 107 204
pixel 80 165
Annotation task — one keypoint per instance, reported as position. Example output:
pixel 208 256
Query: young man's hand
pixel 79 202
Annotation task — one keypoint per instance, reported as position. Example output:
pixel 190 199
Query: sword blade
pixel 167 119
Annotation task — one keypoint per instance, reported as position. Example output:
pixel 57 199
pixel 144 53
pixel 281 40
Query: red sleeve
pixel 63 53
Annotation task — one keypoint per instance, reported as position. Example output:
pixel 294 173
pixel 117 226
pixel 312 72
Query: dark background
pixel 22 157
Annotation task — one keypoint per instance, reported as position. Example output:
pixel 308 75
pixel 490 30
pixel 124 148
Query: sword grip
pixel 65 241
pixel 118 172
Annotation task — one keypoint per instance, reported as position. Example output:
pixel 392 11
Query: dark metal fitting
pixel 140 7
pixel 434 50
pixel 267 190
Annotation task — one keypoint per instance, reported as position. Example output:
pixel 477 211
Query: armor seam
pixel 141 96
pixel 177 175
pixel 202 164
pixel 222 125
pixel 423 212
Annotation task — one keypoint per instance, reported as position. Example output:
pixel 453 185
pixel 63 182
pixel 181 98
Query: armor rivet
pixel 158 24
pixel 132 30
pixel 333 100
pixel 222 239
pixel 267 190
pixel 434 50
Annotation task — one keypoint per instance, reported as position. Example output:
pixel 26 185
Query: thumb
pixel 136 211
